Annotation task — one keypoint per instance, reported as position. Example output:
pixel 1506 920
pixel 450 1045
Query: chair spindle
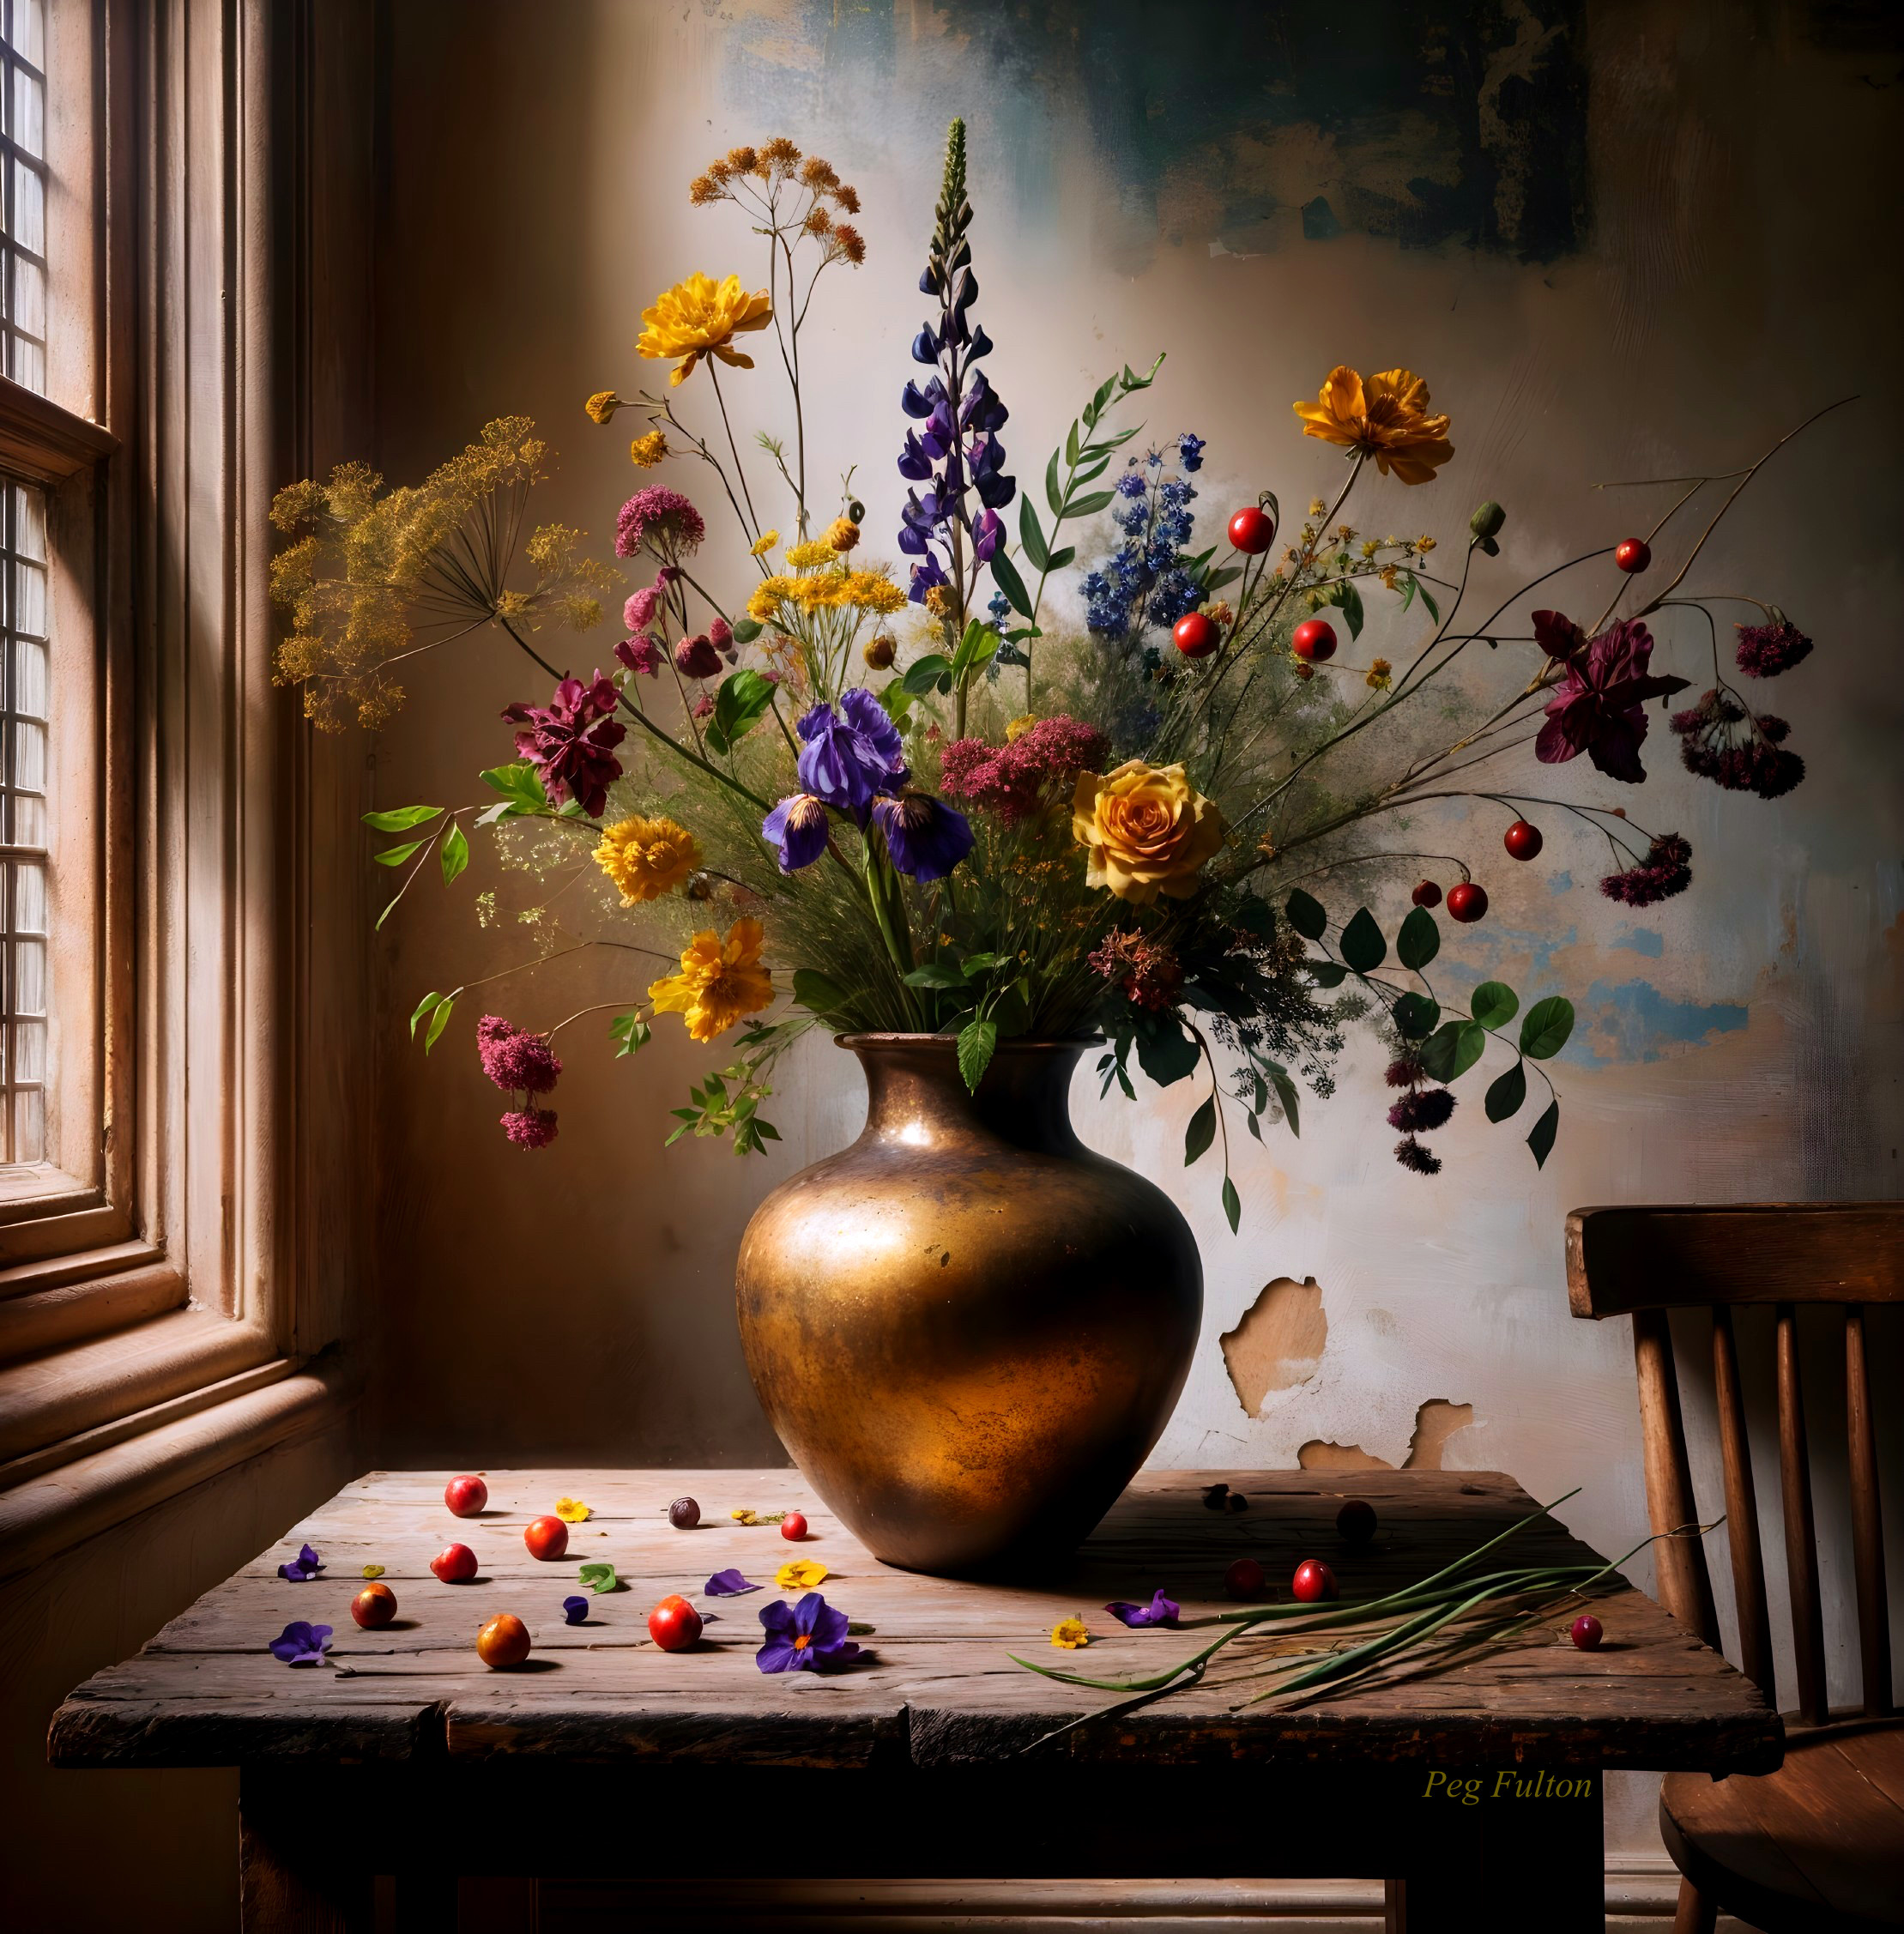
pixel 1801 1543
pixel 1867 1533
pixel 1742 1531
pixel 1685 1585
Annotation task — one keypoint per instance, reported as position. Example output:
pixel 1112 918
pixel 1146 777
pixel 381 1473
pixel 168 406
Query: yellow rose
pixel 1147 830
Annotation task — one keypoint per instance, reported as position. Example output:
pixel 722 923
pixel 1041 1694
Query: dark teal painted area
pixel 1441 122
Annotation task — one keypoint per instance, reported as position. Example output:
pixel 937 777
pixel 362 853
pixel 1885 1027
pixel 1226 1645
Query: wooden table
pixel 404 1755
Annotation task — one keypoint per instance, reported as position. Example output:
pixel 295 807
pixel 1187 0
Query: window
pixel 23 142
pixel 23 779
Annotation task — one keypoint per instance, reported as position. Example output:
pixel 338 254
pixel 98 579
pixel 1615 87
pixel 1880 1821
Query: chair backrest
pixel 1643 1262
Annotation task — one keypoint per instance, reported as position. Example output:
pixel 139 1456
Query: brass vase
pixel 967 1328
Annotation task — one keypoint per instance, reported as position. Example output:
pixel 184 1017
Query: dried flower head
pixel 1667 870
pixel 1765 650
pixel 646 452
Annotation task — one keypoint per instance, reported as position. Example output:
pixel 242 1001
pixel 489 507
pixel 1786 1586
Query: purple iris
pixel 926 838
pixel 1597 710
pixel 575 1610
pixel 1160 1611
pixel 728 1583
pixel 302 1644
pixel 849 761
pixel 810 1635
pixel 302 1567
pixel 798 827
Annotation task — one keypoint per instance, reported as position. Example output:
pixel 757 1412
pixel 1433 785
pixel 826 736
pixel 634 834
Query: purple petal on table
pixel 729 1585
pixel 1160 1611
pixel 575 1610
pixel 301 1644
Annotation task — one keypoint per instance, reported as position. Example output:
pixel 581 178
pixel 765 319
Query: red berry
pixel 1313 1582
pixel 1428 894
pixel 1244 1579
pixel 1586 1632
pixel 1522 840
pixel 1196 635
pixel 465 1496
pixel 374 1606
pixel 674 1624
pixel 546 1538
pixel 1252 530
pixel 1633 554
pixel 793 1526
pixel 455 1564
pixel 1356 1521
pixel 1314 640
pixel 1466 902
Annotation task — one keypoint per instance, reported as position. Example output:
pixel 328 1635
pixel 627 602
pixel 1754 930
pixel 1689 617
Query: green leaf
pixel 1434 609
pixel 1545 1030
pixel 519 783
pixel 1285 1093
pixel 1541 1139
pixel 746 629
pixel 1419 940
pixel 936 977
pixel 1052 495
pixel 454 855
pixel 817 994
pixel 1031 536
pixel 1088 506
pixel 976 650
pixel 1327 973
pixel 1493 1004
pixel 1060 559
pixel 1453 1050
pixel 1201 1132
pixel 1166 1053
pixel 896 700
pixel 630 1032
pixel 438 1021
pixel 1408 591
pixel 423 1007
pixel 1417 1015
pixel 1350 601
pixel 1256 1125
pixel 1232 1204
pixel 744 699
pixel 976 1041
pixel 1306 916
pixel 1363 946
pixel 599 1577
pixel 1506 1093
pixel 400 819
pixel 1004 575
pixel 974 964
pixel 923 674
pixel 396 855
pixel 1071 445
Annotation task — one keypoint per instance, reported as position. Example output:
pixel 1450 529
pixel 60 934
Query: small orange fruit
pixel 504 1641
pixel 374 1606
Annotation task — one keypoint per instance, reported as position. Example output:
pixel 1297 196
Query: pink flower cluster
pixel 1146 971
pixel 661 521
pixel 523 1064
pixel 1765 650
pixel 1011 780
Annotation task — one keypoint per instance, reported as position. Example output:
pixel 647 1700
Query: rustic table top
pixel 938 1686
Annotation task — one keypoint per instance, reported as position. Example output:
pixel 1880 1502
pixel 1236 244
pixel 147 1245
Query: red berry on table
pixel 1522 840
pixel 674 1624
pixel 684 1514
pixel 1313 1581
pixel 1313 640
pixel 1252 530
pixel 1587 1632
pixel 1356 1521
pixel 1244 1579
pixel 1428 894
pixel 793 1526
pixel 1633 554
pixel 502 1643
pixel 374 1606
pixel 546 1538
pixel 465 1496
pixel 1196 635
pixel 1466 902
pixel 455 1564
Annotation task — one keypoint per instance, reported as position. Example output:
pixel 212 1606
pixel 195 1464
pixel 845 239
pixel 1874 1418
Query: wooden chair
pixel 1818 1845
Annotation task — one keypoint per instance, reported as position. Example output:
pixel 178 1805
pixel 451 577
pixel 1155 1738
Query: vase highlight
pixel 968 1328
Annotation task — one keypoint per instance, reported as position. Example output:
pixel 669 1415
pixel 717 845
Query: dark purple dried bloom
pixel 518 1061
pixel 728 1583
pixel 301 1643
pixel 1765 650
pixel 926 838
pixel 575 1610
pixel 1411 1155
pixel 642 656
pixel 530 1127
pixel 302 1569
pixel 1667 870
pixel 1597 710
pixel 570 740
pixel 697 657
pixel 1404 1073
pixel 1421 1110
pixel 1160 1611
pixel 1721 740
pixel 804 1636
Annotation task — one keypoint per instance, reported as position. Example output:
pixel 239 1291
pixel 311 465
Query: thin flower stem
pixel 740 469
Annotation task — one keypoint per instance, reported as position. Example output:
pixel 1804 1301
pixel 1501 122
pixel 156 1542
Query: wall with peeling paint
pixel 1620 239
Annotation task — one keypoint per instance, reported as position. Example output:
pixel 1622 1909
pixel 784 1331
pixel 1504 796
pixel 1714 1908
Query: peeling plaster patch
pixel 1641 940
pixel 1561 882
pixel 1278 1342
pixel 1436 1422
pixel 1635 1022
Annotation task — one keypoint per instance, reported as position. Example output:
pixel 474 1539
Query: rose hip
pixel 1244 1579
pixel 1314 1582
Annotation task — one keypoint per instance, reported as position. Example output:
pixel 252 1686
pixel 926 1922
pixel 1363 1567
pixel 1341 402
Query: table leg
pixel 292 1878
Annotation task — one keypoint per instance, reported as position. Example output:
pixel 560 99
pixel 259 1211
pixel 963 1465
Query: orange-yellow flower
pixel 570 1510
pixel 646 858
pixel 719 981
pixel 646 452
pixel 699 317
pixel 1385 417
pixel 603 405
pixel 1068 1634
pixel 799 1575
pixel 1146 830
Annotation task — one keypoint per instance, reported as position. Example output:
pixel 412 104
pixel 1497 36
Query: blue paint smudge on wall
pixel 1635 1022
pixel 1640 940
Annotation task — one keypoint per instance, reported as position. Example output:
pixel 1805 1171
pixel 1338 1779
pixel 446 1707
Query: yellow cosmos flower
pixel 646 858
pixel 603 405
pixel 763 543
pixel 811 556
pixel 872 590
pixel 646 452
pixel 1147 830
pixel 719 982
pixel 1385 417
pixel 700 317
pixel 1068 1634
pixel 842 534
pixel 570 1510
pixel 1380 675
pixel 764 605
pixel 799 1575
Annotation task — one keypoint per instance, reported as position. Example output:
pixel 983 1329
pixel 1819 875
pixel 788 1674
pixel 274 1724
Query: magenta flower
pixel 1160 1611
pixel 642 656
pixel 530 1127
pixel 660 520
pixel 640 613
pixel 810 1635
pixel 302 1569
pixel 1597 710
pixel 570 740
pixel 729 1585
pixel 1721 740
pixel 697 657
pixel 301 1643
pixel 720 635
pixel 1011 780
pixel 1765 650
pixel 1421 1110
pixel 514 1059
pixel 1667 870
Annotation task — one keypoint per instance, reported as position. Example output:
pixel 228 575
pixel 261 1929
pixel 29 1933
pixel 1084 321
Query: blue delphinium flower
pixel 956 450
pixel 1145 580
pixel 1190 451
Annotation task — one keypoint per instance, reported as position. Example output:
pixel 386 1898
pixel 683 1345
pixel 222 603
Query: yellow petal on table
pixel 1068 1634
pixel 799 1575
pixel 570 1510
pixel 373 1571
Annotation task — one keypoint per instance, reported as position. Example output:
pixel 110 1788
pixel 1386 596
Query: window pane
pixel 29 1124
pixel 28 224
pixel 29 599
pixel 28 125
pixel 29 30
pixel 29 510
pixel 29 676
